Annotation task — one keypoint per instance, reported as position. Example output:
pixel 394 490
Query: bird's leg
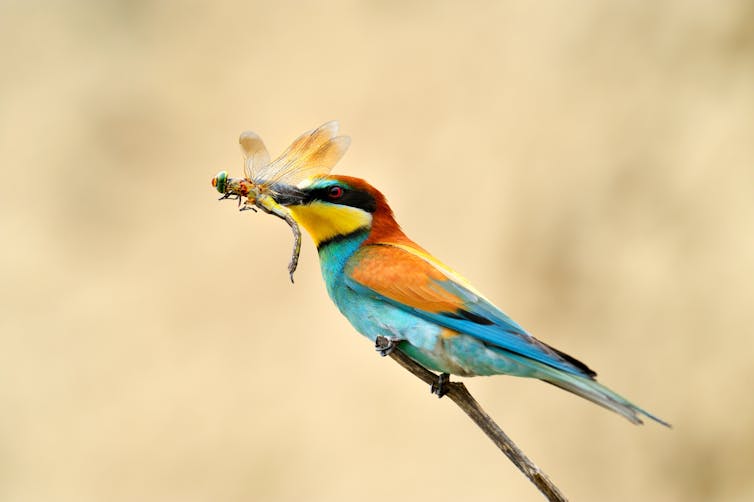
pixel 385 345
pixel 441 387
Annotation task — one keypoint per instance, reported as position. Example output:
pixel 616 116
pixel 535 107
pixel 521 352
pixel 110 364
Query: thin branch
pixel 461 396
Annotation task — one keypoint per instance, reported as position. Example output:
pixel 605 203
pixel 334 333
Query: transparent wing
pixel 314 152
pixel 255 154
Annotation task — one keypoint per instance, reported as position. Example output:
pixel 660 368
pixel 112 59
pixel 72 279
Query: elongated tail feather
pixel 598 394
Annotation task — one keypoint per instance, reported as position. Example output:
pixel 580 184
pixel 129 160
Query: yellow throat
pixel 324 221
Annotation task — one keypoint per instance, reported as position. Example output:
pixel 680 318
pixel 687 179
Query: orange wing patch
pixel 403 277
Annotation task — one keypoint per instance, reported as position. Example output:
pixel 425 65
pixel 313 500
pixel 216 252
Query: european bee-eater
pixel 388 286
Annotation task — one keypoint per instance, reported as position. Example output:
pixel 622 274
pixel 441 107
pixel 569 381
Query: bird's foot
pixel 441 386
pixel 385 345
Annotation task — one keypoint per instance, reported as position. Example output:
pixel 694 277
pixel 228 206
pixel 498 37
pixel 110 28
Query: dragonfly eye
pixel 220 181
pixel 335 192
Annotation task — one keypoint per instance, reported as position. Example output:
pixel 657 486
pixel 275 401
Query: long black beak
pixel 288 195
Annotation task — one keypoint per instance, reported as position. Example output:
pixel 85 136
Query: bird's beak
pixel 288 195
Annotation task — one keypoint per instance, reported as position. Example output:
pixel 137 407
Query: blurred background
pixel 588 165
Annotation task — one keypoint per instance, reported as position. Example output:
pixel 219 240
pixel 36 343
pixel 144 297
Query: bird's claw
pixel 385 345
pixel 441 386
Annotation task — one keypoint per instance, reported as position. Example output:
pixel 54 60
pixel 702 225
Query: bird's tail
pixel 596 393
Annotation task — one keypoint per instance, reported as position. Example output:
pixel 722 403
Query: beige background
pixel 588 165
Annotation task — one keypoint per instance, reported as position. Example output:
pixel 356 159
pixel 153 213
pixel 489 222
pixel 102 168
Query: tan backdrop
pixel 588 165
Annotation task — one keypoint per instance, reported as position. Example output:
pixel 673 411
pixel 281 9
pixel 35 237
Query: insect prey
pixel 314 153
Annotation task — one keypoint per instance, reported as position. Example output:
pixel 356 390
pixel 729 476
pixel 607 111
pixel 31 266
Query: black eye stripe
pixel 348 197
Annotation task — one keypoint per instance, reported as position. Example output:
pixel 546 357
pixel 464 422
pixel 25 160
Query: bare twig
pixel 461 396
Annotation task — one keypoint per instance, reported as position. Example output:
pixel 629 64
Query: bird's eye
pixel 335 192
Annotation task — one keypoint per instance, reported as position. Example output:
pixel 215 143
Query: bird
pixel 388 286
pixel 393 290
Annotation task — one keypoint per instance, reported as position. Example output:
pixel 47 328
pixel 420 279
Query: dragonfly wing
pixel 314 152
pixel 320 161
pixel 308 141
pixel 255 153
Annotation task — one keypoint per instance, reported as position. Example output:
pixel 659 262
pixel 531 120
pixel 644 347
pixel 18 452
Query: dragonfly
pixel 312 154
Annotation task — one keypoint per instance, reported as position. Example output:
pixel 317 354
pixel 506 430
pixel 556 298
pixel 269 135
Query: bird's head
pixel 334 207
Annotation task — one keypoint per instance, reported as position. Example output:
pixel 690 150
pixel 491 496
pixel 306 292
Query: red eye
pixel 335 192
